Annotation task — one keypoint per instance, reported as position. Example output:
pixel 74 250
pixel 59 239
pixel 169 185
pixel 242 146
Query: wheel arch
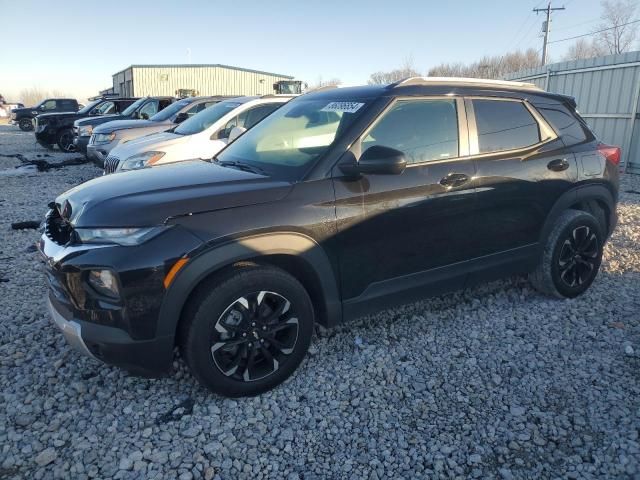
pixel 583 198
pixel 295 253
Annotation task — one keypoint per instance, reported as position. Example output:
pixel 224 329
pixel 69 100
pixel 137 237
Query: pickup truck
pixel 57 128
pixel 23 117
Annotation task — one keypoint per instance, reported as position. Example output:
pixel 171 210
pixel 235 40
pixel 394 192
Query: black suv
pixel 341 201
pixel 143 108
pixel 23 117
pixel 57 128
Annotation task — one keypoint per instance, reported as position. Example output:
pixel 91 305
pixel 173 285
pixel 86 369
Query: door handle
pixel 454 180
pixel 558 165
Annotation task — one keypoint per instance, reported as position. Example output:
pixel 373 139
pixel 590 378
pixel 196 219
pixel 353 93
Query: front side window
pixel 170 111
pixel 133 107
pixel 149 109
pixel 423 129
pixel 504 125
pixel 90 107
pixel 49 105
pixel 105 109
pixel 289 140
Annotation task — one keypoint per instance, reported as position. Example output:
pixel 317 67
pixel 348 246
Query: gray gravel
pixel 496 382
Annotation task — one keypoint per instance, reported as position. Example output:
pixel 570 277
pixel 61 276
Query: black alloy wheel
pixel 578 259
pixel 65 141
pixel 25 124
pixel 254 336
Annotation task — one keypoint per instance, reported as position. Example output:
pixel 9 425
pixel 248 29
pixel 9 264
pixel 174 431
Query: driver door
pixel 399 234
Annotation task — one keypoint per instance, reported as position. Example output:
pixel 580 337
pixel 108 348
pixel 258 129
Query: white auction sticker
pixel 347 107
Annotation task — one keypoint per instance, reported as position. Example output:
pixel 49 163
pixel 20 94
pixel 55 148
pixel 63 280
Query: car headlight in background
pixel 141 160
pixel 118 236
pixel 99 138
pixel 85 131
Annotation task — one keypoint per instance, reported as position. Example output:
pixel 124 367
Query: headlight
pixel 104 137
pixel 104 282
pixel 141 160
pixel 85 131
pixel 119 236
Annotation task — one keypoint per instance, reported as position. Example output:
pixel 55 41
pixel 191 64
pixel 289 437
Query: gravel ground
pixel 496 382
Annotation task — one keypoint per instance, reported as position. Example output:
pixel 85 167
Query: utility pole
pixel 546 27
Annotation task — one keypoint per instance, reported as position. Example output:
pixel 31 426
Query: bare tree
pixel 618 36
pixel 489 66
pixel 405 71
pixel 332 82
pixel 584 48
pixel 34 95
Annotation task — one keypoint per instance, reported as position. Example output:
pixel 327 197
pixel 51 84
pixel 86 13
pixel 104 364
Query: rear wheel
pixel 25 124
pixel 65 140
pixel 247 331
pixel 571 257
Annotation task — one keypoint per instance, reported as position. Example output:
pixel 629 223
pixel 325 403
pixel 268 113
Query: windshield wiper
pixel 240 166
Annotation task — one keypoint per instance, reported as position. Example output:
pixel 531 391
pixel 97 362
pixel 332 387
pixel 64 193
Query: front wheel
pixel 25 124
pixel 247 331
pixel 571 257
pixel 65 140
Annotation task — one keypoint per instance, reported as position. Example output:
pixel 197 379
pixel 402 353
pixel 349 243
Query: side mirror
pixel 235 133
pixel 377 160
pixel 181 117
pixel 144 116
pixel 41 107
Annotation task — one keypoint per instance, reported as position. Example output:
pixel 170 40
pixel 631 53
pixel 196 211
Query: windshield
pixel 289 140
pixel 203 120
pixel 170 111
pixel 88 108
pixel 133 107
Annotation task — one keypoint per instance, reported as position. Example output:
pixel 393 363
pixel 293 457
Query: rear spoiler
pixel 569 100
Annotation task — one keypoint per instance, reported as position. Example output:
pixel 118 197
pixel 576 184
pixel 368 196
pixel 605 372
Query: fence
pixel 607 90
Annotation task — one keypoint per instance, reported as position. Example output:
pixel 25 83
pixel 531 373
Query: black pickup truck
pixel 23 117
pixel 143 108
pixel 57 128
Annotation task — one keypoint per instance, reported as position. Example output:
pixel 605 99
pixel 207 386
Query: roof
pixel 461 81
pixel 204 65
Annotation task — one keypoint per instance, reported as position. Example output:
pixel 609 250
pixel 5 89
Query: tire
pixel 218 335
pixel 65 140
pixel 25 124
pixel 571 257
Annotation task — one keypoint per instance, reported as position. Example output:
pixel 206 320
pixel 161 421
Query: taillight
pixel 612 154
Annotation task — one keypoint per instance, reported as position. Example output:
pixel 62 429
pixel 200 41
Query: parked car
pixel 107 136
pixel 57 128
pixel 143 108
pixel 340 202
pixel 23 117
pixel 202 136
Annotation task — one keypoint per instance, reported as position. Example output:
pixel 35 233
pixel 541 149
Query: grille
pixel 57 229
pixel 111 164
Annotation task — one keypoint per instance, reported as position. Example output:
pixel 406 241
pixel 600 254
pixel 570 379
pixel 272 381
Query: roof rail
pixel 323 88
pixel 280 95
pixel 463 81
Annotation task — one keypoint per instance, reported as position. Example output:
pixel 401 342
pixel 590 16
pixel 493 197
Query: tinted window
pixel 67 105
pixel 258 113
pixel 149 109
pixel 49 105
pixel 170 111
pixel 504 125
pixel 105 109
pixel 423 129
pixel 207 117
pixel 566 125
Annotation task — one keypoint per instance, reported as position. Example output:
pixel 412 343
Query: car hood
pixel 114 125
pixel 154 141
pixel 150 196
pixel 59 115
pixel 97 120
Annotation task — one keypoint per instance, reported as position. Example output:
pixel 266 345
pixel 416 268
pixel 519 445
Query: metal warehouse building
pixel 607 90
pixel 142 80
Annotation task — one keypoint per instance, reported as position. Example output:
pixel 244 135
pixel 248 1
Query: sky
pixel 75 46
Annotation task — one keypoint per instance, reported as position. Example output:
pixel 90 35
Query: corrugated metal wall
pixel 607 92
pixel 206 79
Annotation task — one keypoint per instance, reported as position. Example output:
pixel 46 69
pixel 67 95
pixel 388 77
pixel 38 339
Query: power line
pixel 597 31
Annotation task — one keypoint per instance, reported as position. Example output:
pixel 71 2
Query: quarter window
pixel 504 125
pixel 423 129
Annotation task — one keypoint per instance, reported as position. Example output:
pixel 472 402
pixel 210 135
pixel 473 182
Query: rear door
pixel 522 167
pixel 399 233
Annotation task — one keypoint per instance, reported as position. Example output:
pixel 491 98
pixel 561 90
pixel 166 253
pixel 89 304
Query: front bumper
pixel 81 144
pixel 71 330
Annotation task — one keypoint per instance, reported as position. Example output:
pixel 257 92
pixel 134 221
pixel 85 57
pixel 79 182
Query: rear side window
pixel 258 113
pixel 504 125
pixel 568 127
pixel 423 129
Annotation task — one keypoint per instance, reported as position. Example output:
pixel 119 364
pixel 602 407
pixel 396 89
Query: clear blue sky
pixel 75 47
